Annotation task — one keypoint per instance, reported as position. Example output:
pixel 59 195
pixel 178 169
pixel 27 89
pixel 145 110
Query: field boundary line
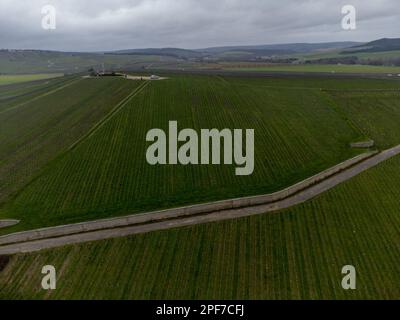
pixel 74 144
pixel 191 210
pixel 334 105
pixel 36 90
pixel 42 95
pixel 110 115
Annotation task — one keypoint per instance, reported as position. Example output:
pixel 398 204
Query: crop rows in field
pixel 376 113
pixel 295 254
pixel 34 131
pixel 297 134
pixel 13 95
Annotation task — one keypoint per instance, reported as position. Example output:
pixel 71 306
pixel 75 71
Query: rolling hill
pixel 169 52
pixel 42 61
pixel 381 45
pixel 239 52
pixel 288 48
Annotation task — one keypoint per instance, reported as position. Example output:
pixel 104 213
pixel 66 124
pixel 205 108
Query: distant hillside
pixel 170 52
pixel 381 45
pixel 239 52
pixel 40 61
pixel 287 48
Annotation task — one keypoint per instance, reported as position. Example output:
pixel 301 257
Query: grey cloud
pixel 117 24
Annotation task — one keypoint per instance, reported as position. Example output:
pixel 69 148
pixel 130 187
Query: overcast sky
pixel 95 25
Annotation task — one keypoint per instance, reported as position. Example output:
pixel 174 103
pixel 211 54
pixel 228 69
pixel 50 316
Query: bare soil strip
pixel 12 246
pixel 8 223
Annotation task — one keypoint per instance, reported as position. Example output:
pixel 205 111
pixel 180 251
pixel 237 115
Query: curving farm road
pixel 35 240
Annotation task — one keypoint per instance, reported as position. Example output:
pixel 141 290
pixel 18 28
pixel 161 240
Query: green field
pixel 295 254
pixel 10 79
pixel 46 120
pixel 20 93
pixel 363 56
pixel 302 126
pixel 375 113
pixel 298 133
pixel 330 68
pixel 300 83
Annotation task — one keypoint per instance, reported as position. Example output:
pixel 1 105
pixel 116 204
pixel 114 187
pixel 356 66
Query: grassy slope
pixel 297 135
pixel 10 79
pixel 295 254
pixel 33 131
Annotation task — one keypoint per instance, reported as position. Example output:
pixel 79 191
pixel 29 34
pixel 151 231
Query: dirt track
pixel 300 197
pixel 174 213
pixel 7 223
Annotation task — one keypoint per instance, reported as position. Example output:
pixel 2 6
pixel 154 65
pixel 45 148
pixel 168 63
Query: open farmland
pixel 295 254
pixel 322 68
pixel 10 79
pixel 14 94
pixel 316 82
pixel 45 121
pixel 375 113
pixel 297 133
pixel 39 62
